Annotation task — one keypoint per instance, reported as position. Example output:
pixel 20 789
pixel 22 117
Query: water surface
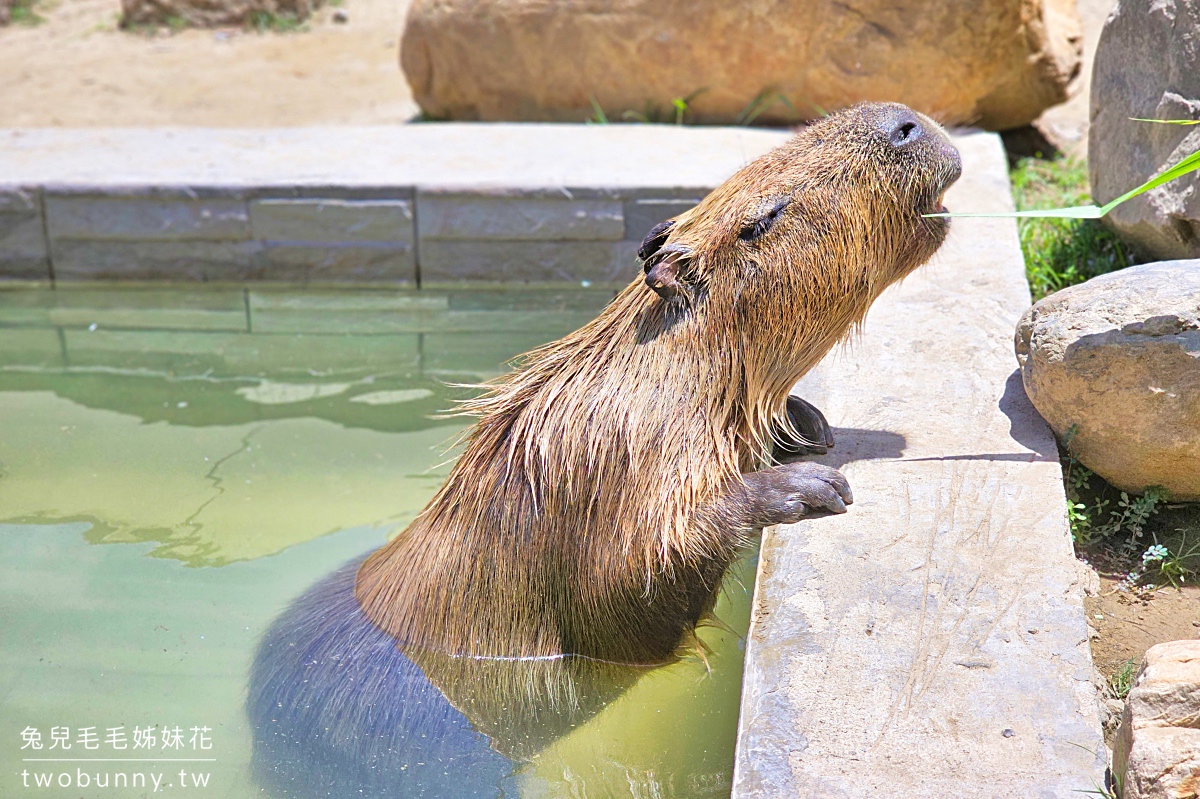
pixel 177 466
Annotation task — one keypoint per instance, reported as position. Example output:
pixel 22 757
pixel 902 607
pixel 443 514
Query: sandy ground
pixel 78 70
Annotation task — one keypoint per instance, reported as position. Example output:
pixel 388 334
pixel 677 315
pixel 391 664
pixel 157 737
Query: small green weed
pixel 680 107
pixel 1115 527
pixel 680 104
pixel 1061 252
pixel 1081 522
pixel 23 13
pixel 763 102
pixel 1077 478
pixel 1122 680
pixel 677 112
pixel 1112 788
pixel 1178 562
pixel 652 114
pixel 267 21
pixel 1131 514
pixel 598 116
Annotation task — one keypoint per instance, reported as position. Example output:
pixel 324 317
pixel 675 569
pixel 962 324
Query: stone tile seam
pixel 414 218
pixel 41 204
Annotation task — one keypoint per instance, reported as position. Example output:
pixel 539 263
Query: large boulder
pixel 1148 66
pixel 213 13
pixel 993 63
pixel 1156 754
pixel 1118 359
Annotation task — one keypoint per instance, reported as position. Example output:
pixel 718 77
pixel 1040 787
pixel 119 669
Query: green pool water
pixel 178 465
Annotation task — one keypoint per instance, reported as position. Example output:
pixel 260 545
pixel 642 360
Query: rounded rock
pixel 995 64
pixel 1148 66
pixel 1117 360
pixel 1156 754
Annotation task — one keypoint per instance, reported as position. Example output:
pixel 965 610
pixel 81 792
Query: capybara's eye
pixel 757 227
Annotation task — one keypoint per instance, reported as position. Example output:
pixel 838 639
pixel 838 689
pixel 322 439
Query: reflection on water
pixel 236 431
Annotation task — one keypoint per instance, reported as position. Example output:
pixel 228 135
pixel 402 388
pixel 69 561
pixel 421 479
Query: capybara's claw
pixel 787 494
pixel 838 481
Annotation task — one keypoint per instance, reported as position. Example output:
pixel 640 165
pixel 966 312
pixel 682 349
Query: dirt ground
pixel 1126 624
pixel 77 69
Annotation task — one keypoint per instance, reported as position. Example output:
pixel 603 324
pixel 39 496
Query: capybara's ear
pixel 655 239
pixel 667 270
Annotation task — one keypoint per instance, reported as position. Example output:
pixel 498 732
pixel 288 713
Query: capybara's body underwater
pixel 612 477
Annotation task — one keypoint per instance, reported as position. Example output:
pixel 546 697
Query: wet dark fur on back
pixel 612 477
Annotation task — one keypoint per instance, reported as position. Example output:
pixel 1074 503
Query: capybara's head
pixel 846 196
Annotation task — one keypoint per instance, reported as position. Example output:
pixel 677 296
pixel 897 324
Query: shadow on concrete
pixel 1025 426
pixel 857 444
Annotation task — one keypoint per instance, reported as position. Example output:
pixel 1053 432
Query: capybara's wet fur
pixel 612 477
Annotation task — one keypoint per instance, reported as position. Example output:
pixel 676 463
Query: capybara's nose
pixel 901 126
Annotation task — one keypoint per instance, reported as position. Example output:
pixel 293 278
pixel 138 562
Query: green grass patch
pixel 1144 538
pixel 266 21
pixel 23 13
pixel 1061 252
pixel 1122 681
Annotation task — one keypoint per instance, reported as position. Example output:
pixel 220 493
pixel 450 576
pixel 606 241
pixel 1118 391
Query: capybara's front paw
pixel 795 491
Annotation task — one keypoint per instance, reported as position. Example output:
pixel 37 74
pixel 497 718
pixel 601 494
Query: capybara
pixel 614 475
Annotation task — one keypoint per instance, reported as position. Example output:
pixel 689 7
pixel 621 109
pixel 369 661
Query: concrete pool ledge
pixel 931 642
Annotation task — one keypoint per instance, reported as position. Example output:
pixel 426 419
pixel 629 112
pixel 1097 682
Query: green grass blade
pixel 1187 165
pixel 1074 212
pixel 1184 167
pixel 1168 121
pixel 598 115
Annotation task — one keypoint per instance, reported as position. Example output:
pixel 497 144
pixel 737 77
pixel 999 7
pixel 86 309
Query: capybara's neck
pixel 568 525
